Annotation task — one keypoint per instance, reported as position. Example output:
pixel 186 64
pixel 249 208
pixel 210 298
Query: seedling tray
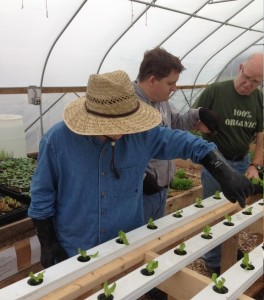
pixel 14 194
pixel 14 215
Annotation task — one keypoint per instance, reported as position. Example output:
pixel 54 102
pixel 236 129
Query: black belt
pixel 235 158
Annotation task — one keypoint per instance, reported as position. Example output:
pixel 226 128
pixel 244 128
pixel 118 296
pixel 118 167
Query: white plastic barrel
pixel 12 135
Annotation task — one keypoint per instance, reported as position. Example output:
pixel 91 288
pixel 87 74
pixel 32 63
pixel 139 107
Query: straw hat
pixel 110 107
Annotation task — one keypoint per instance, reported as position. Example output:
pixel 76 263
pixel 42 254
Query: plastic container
pixel 12 135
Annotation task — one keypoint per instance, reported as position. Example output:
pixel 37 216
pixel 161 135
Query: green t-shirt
pixel 241 117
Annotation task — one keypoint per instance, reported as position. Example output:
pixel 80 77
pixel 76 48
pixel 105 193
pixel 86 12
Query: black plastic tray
pixel 14 215
pixel 14 194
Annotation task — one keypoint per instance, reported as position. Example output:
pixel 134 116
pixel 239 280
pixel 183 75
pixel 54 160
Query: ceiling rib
pixel 149 5
pixel 222 49
pixel 193 15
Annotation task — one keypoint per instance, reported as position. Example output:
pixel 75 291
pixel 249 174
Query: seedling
pixel 35 280
pixel 207 232
pixel 217 195
pixel 151 224
pixel 219 284
pixel 84 256
pixel 108 291
pixel 181 183
pixel 122 238
pixel 228 220
pixel 152 265
pixel 246 264
pixel 180 173
pixel 198 202
pixel 181 249
pixel 178 213
pixel 248 211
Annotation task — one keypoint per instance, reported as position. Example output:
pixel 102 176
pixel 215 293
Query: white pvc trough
pixel 134 285
pixel 71 269
pixel 238 280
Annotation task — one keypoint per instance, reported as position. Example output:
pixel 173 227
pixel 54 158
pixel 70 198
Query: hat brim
pixel 81 122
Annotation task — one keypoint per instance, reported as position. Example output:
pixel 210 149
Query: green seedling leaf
pixel 152 265
pixel 108 291
pixel 246 262
pixel 198 201
pixel 249 209
pixel 151 222
pixel 219 283
pixel 207 230
pixel 217 194
pixel 122 237
pixel 181 247
pixel 83 253
pixel 94 255
pixel 228 218
pixel 178 212
pixel 38 277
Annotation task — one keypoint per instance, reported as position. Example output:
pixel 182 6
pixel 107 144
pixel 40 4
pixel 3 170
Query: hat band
pixel 113 115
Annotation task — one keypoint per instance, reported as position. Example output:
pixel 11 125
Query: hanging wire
pixel 146 20
pixel 22 4
pixel 47 14
pixel 132 12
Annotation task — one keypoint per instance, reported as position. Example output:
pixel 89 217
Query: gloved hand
pixel 150 185
pixel 51 251
pixel 235 187
pixel 210 118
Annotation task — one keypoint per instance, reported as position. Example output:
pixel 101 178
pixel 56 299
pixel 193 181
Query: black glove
pixel 210 118
pixel 51 251
pixel 150 185
pixel 235 187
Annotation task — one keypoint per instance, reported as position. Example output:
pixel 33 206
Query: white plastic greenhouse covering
pixel 54 45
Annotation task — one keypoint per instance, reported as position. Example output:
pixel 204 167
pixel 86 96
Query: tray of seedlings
pixel 15 178
pixel 11 210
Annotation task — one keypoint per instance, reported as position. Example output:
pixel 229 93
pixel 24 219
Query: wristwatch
pixel 258 167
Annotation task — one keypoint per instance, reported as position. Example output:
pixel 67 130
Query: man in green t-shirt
pixel 239 102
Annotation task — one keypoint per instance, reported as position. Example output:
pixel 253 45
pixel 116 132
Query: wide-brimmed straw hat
pixel 110 107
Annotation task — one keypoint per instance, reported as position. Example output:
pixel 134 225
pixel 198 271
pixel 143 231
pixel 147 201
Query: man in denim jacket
pixel 88 182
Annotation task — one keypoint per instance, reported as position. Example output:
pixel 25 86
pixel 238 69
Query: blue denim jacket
pixel 73 181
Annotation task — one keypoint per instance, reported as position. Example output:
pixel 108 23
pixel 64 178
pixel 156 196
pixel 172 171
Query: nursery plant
pixel 108 292
pixel 219 284
pixel 16 174
pixel 122 239
pixel 151 224
pixel 180 173
pixel 150 267
pixel 83 257
pixel 35 280
pixel 228 221
pixel 217 195
pixel 198 202
pixel 181 183
pixel 207 234
pixel 248 211
pixel 178 213
pixel 181 249
pixel 246 264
